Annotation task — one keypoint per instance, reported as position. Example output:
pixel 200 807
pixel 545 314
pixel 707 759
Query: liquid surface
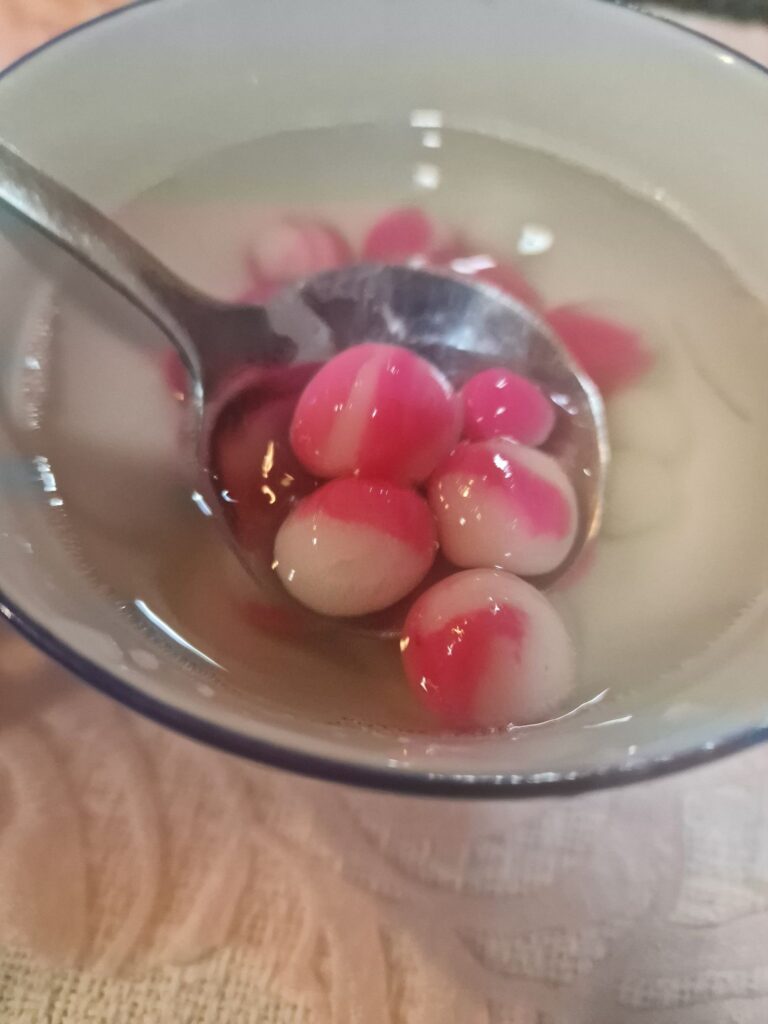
pixel 682 550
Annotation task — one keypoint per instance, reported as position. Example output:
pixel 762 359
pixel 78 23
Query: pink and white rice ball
pixel 290 248
pixel 355 546
pixel 500 403
pixel 378 411
pixel 483 649
pixel 500 504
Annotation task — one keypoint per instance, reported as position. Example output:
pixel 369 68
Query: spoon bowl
pixel 461 327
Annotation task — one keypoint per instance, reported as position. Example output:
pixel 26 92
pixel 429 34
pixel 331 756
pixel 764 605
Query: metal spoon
pixel 461 327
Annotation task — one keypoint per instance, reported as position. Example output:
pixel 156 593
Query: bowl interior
pixel 115 108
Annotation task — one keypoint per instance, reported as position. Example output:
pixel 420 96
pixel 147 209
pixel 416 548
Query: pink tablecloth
pixel 25 24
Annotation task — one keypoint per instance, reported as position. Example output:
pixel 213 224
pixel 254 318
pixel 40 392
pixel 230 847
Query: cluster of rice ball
pixel 412 468
pixel 382 485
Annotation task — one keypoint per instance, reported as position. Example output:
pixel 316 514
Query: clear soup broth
pixel 681 554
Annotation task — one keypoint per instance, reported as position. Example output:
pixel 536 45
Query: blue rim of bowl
pixel 398 780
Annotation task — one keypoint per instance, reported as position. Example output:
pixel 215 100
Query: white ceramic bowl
pixel 121 103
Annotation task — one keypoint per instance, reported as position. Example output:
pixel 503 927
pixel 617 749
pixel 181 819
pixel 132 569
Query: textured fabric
pixel 25 24
pixel 145 879
pixel 751 39
pixel 748 10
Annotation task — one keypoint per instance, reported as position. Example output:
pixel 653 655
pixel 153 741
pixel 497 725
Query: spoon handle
pixel 92 238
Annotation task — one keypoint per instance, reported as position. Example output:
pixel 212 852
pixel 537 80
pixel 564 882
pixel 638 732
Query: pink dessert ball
pixel 613 355
pixel 483 649
pixel 378 411
pixel 500 504
pixel 294 247
pixel 500 403
pixel 255 471
pixel 398 236
pixel 355 546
